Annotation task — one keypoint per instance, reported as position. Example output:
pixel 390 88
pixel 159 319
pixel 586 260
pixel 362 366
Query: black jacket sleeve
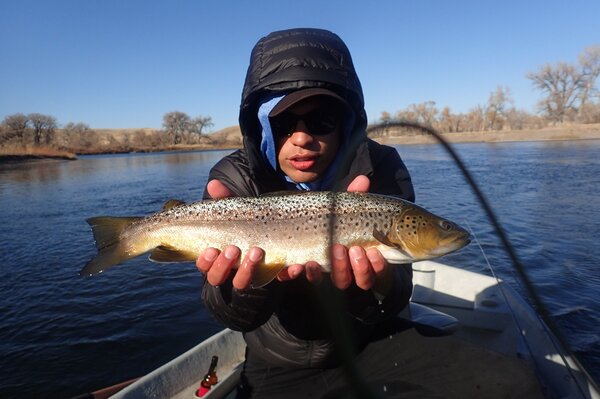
pixel 240 310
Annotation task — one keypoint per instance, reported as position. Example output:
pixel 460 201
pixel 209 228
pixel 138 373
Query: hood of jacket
pixel 293 59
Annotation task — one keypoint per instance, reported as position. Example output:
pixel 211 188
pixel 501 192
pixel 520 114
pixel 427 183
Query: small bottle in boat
pixel 209 379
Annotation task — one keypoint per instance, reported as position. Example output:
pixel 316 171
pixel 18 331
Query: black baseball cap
pixel 300 95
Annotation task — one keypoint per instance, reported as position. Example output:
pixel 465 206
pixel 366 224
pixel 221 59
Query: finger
pixel 290 273
pixel 244 274
pixel 219 272
pixel 216 189
pixel 341 271
pixel 377 260
pixel 361 268
pixel 314 272
pixel 381 268
pixel 360 184
pixel 206 259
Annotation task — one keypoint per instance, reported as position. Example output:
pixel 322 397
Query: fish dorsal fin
pixel 172 203
pixel 167 254
pixel 107 229
pixel 265 273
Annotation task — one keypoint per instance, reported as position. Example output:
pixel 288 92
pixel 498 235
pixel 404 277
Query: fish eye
pixel 446 225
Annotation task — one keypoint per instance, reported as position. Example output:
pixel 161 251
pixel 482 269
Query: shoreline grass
pixel 18 153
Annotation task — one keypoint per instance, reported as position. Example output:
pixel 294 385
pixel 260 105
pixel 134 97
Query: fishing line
pixel 518 266
pixel 514 316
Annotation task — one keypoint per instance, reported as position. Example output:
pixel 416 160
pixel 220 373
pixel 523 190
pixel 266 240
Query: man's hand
pixel 360 184
pixel 368 269
pixel 216 189
pixel 217 265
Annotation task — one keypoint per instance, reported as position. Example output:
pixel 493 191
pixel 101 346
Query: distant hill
pixel 229 136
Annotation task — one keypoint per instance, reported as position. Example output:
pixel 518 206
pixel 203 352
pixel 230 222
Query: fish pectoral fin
pixel 172 203
pixel 382 238
pixel 265 273
pixel 166 254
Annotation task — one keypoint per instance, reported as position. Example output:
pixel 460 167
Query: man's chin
pixel 299 176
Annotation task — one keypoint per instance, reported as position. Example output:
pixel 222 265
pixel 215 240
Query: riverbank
pixel 29 153
pixel 230 138
pixel 566 132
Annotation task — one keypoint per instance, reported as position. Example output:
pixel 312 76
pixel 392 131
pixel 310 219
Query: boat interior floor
pixel 409 364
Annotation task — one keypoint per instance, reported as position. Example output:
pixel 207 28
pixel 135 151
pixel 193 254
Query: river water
pixel 62 335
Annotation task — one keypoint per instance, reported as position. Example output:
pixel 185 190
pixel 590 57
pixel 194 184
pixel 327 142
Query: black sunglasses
pixel 319 122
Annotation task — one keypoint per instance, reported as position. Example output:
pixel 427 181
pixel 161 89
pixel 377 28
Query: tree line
pixel 569 93
pixel 36 129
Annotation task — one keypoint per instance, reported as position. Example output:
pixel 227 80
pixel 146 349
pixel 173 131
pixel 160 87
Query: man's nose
pixel 301 135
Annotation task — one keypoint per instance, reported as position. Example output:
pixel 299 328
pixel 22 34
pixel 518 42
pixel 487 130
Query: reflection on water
pixel 62 334
pixel 34 172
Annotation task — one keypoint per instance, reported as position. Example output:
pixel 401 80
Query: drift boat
pixel 496 343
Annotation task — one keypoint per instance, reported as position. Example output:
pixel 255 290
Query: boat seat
pixel 430 322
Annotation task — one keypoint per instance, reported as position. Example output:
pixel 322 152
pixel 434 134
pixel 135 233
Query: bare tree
pixel 562 84
pixel 449 122
pixel 176 124
pixel 589 113
pixel 385 117
pixel 79 135
pixel 44 127
pixel 425 112
pixel 476 119
pixel 497 107
pixel 15 126
pixel 516 119
pixel 589 62
pixel 198 124
pixel 76 128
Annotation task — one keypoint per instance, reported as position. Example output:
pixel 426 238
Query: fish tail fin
pixel 107 231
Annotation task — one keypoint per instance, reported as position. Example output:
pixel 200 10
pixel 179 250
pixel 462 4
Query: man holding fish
pixel 306 234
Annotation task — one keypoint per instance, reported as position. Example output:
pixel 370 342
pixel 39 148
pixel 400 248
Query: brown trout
pixel 291 228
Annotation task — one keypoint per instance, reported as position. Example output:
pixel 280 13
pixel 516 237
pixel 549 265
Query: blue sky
pixel 124 64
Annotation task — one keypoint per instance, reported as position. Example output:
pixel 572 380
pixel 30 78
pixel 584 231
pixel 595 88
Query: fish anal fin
pixel 172 203
pixel 265 273
pixel 166 254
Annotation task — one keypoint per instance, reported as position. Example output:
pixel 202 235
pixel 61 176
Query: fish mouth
pixel 452 245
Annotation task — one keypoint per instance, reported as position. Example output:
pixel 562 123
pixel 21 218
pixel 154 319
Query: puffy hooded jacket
pixel 282 322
